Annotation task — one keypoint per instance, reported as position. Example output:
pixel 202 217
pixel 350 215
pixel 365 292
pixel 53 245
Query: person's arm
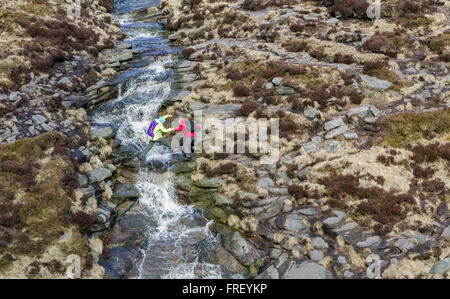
pixel 164 130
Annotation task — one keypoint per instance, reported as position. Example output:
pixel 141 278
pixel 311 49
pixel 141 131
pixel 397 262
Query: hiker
pixel 155 132
pixel 188 127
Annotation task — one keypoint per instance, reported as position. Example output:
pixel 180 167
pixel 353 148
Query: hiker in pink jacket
pixel 188 127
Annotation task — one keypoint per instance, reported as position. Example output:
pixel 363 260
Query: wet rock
pixel 240 248
pixel 334 222
pixel 184 167
pixel 209 183
pixel 318 243
pixel 306 270
pixel 183 182
pixel 105 132
pixel 375 83
pixel 126 192
pixel 197 194
pixel 228 261
pixel 221 199
pixel 117 261
pixel 99 174
pixel 441 267
pixel 338 122
pixel 292 222
pixel 315 255
pixel 217 214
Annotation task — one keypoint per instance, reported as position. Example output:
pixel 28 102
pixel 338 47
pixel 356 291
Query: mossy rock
pixel 184 167
pixel 197 194
pixel 183 181
pixel 217 214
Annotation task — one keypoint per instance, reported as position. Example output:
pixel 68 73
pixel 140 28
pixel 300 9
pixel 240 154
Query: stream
pixel 176 240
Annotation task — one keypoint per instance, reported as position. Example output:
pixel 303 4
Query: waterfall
pixel 175 233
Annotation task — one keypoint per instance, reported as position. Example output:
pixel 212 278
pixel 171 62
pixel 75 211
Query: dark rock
pixel 240 248
pixel 293 222
pixel 126 192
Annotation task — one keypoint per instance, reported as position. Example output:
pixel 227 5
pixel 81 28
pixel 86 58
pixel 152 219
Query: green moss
pixel 402 129
pixel 29 149
pixel 5 265
pixel 438 43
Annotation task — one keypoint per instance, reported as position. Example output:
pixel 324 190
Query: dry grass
pixel 402 129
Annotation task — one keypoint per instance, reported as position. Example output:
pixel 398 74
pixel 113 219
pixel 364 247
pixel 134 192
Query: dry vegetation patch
pixel 37 205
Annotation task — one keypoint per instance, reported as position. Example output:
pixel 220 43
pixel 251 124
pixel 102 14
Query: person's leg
pixel 165 142
pixel 147 149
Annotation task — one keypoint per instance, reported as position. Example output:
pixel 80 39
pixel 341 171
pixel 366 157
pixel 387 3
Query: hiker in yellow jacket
pixel 155 133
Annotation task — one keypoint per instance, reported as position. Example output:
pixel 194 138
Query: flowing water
pixel 178 243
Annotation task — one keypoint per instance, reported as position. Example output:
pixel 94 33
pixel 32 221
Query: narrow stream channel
pixel 176 236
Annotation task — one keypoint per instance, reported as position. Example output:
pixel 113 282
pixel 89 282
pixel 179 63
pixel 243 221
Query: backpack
pixel 151 128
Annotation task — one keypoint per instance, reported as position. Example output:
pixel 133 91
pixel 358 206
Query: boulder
pixel 441 267
pixel 209 182
pixel 270 273
pixel 126 192
pixel 197 194
pixel 334 123
pixel 375 83
pixel 306 270
pixel 184 167
pixel 106 133
pixel 292 222
pixel 240 248
pixel 99 174
pixel 334 222
pixel 284 90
